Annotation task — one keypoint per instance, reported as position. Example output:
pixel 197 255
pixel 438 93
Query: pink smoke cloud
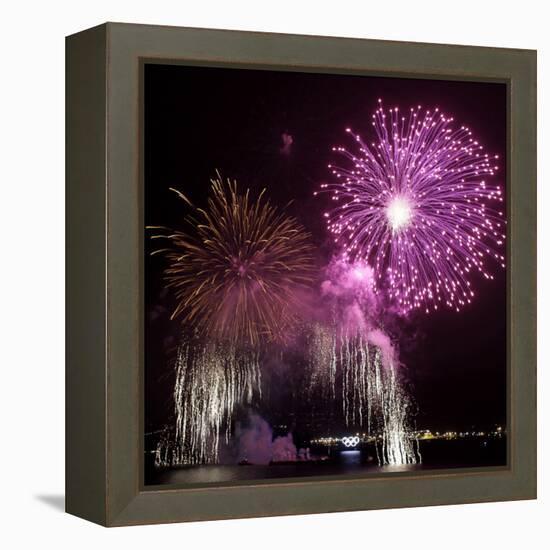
pixel 351 288
pixel 257 446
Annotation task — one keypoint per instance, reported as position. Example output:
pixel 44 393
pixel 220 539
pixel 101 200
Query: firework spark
pixel 238 276
pixel 351 351
pixel 372 394
pixel 211 381
pixel 322 361
pixel 418 204
pixel 389 409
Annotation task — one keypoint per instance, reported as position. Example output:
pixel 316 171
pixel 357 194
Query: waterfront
pixel 436 454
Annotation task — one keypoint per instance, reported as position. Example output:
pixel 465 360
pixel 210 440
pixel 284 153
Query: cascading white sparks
pixel 354 361
pixel 322 361
pixel 211 381
pixel 372 394
pixel 398 446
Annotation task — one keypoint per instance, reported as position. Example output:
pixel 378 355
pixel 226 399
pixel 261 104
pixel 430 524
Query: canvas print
pixel 324 275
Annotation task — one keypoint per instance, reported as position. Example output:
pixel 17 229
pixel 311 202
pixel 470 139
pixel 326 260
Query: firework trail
pixel 238 276
pixel 211 380
pixel 355 361
pixel 322 361
pixel 418 205
pixel 363 357
pixel 372 394
pixel 389 410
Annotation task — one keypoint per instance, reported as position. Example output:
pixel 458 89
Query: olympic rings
pixel 350 441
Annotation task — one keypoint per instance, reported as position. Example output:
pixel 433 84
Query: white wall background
pixel 32 272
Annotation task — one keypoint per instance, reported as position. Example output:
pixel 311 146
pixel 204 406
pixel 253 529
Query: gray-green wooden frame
pixel 104 265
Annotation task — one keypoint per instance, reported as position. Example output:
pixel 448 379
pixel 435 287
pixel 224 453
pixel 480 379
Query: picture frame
pixel 104 273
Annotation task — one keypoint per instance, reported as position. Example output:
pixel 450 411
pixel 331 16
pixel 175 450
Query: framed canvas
pixel 301 274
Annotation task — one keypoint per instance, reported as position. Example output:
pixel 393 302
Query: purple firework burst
pixel 418 205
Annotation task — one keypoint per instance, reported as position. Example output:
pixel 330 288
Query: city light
pixel 421 435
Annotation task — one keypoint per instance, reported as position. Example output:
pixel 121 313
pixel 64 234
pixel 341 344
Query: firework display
pixel 353 350
pixel 372 395
pixel 322 361
pixel 236 279
pixel 237 275
pixel 302 320
pixel 211 380
pixel 419 204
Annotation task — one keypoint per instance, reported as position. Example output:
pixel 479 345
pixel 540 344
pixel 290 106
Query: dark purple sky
pixel 198 120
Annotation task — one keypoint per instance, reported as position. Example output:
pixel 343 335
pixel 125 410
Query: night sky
pixel 198 120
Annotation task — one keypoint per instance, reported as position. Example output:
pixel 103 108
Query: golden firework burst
pixel 240 272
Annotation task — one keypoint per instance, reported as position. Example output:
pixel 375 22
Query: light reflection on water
pixel 350 464
pixel 435 455
pixel 350 457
